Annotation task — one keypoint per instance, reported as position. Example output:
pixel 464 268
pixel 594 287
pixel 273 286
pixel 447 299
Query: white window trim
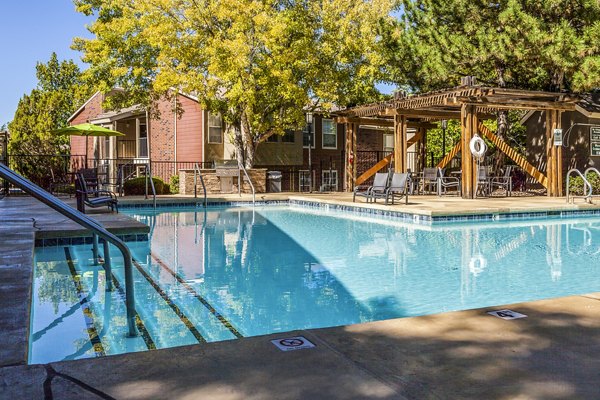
pixel 209 126
pixel 334 172
pixel 323 134
pixel 138 123
pixel 314 137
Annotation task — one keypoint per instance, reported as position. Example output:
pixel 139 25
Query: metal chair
pixel 503 182
pixel 380 184
pixel 430 178
pixel 446 182
pixel 483 182
pixel 93 198
pixel 398 188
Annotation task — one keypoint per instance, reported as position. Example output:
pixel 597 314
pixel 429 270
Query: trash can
pixel 274 178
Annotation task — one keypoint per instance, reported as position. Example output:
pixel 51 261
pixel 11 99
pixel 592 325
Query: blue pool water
pixel 231 272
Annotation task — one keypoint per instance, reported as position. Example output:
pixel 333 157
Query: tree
pixel 259 63
pixel 59 92
pixel 527 44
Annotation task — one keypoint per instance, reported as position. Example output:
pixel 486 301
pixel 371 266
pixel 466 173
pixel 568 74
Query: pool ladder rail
pixel 90 224
pixel 198 174
pixel 587 186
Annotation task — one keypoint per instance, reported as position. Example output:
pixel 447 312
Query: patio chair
pixel 380 184
pixel 446 182
pixel 430 177
pixel 93 198
pixel 502 182
pixel 398 188
pixel 91 177
pixel 483 182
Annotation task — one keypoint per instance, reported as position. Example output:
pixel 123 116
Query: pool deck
pixel 554 353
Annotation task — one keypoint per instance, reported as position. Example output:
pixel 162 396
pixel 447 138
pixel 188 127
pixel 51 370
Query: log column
pixel 351 131
pixel 423 150
pixel 554 171
pixel 469 122
pixel 400 128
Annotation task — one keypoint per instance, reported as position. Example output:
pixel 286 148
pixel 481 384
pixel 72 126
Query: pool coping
pixel 424 217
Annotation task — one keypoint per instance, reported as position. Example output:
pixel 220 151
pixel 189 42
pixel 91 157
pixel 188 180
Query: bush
pixel 174 183
pixel 576 184
pixel 137 186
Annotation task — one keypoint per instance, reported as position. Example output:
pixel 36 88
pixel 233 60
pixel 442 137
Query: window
pixel 272 139
pixel 289 136
pixel 329 134
pixel 143 140
pixel 329 179
pixel 215 128
pixel 388 142
pixel 306 137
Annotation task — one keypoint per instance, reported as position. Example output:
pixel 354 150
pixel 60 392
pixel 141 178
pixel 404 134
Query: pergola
pixel 470 104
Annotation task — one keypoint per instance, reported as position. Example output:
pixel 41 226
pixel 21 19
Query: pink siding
pixel 189 131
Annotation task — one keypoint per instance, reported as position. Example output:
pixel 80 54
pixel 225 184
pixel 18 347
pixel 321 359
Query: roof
pixel 111 116
pixel 588 105
pixel 447 103
pixel 80 109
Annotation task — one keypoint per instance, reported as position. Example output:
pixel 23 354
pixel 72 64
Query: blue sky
pixel 31 31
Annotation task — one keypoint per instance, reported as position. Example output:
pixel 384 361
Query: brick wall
pixel 213 182
pixel 162 132
pixel 92 109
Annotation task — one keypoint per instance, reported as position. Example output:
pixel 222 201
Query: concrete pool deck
pixel 554 353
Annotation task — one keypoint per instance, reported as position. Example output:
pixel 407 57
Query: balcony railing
pixel 126 149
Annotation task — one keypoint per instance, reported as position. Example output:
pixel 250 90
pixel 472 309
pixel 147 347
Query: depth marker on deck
pixel 293 343
pixel 507 314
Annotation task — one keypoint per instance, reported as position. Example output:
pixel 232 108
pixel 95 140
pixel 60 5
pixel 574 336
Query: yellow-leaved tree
pixel 261 64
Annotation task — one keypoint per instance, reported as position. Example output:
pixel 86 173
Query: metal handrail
pixel 586 183
pixel 148 173
pixel 198 173
pixel 87 222
pixel 243 168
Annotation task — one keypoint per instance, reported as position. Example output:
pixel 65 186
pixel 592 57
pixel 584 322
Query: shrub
pixel 174 183
pixel 137 186
pixel 576 184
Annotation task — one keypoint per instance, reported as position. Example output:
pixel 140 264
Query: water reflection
pixel 278 268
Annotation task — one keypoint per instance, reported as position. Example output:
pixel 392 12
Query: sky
pixel 31 31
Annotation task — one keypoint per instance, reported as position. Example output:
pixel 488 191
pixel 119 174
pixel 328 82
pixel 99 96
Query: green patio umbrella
pixel 86 130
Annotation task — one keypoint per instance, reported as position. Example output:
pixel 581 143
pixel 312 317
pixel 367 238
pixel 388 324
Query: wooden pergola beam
pixel 400 145
pixel 374 169
pixel 513 155
pixel 448 157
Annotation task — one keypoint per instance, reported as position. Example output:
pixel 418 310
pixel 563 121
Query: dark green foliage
pixel 174 184
pixel 576 184
pixel 60 91
pixel 137 186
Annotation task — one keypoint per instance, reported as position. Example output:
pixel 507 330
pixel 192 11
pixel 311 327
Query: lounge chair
pixel 502 182
pixel 445 182
pixel 93 198
pixel 398 188
pixel 380 184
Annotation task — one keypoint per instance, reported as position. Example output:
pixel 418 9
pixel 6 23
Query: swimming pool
pixel 222 273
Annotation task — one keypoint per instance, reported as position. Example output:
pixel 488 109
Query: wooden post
pixel 350 161
pixel 468 118
pixel 553 155
pixel 347 165
pixel 423 148
pixel 559 158
pixel 400 128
